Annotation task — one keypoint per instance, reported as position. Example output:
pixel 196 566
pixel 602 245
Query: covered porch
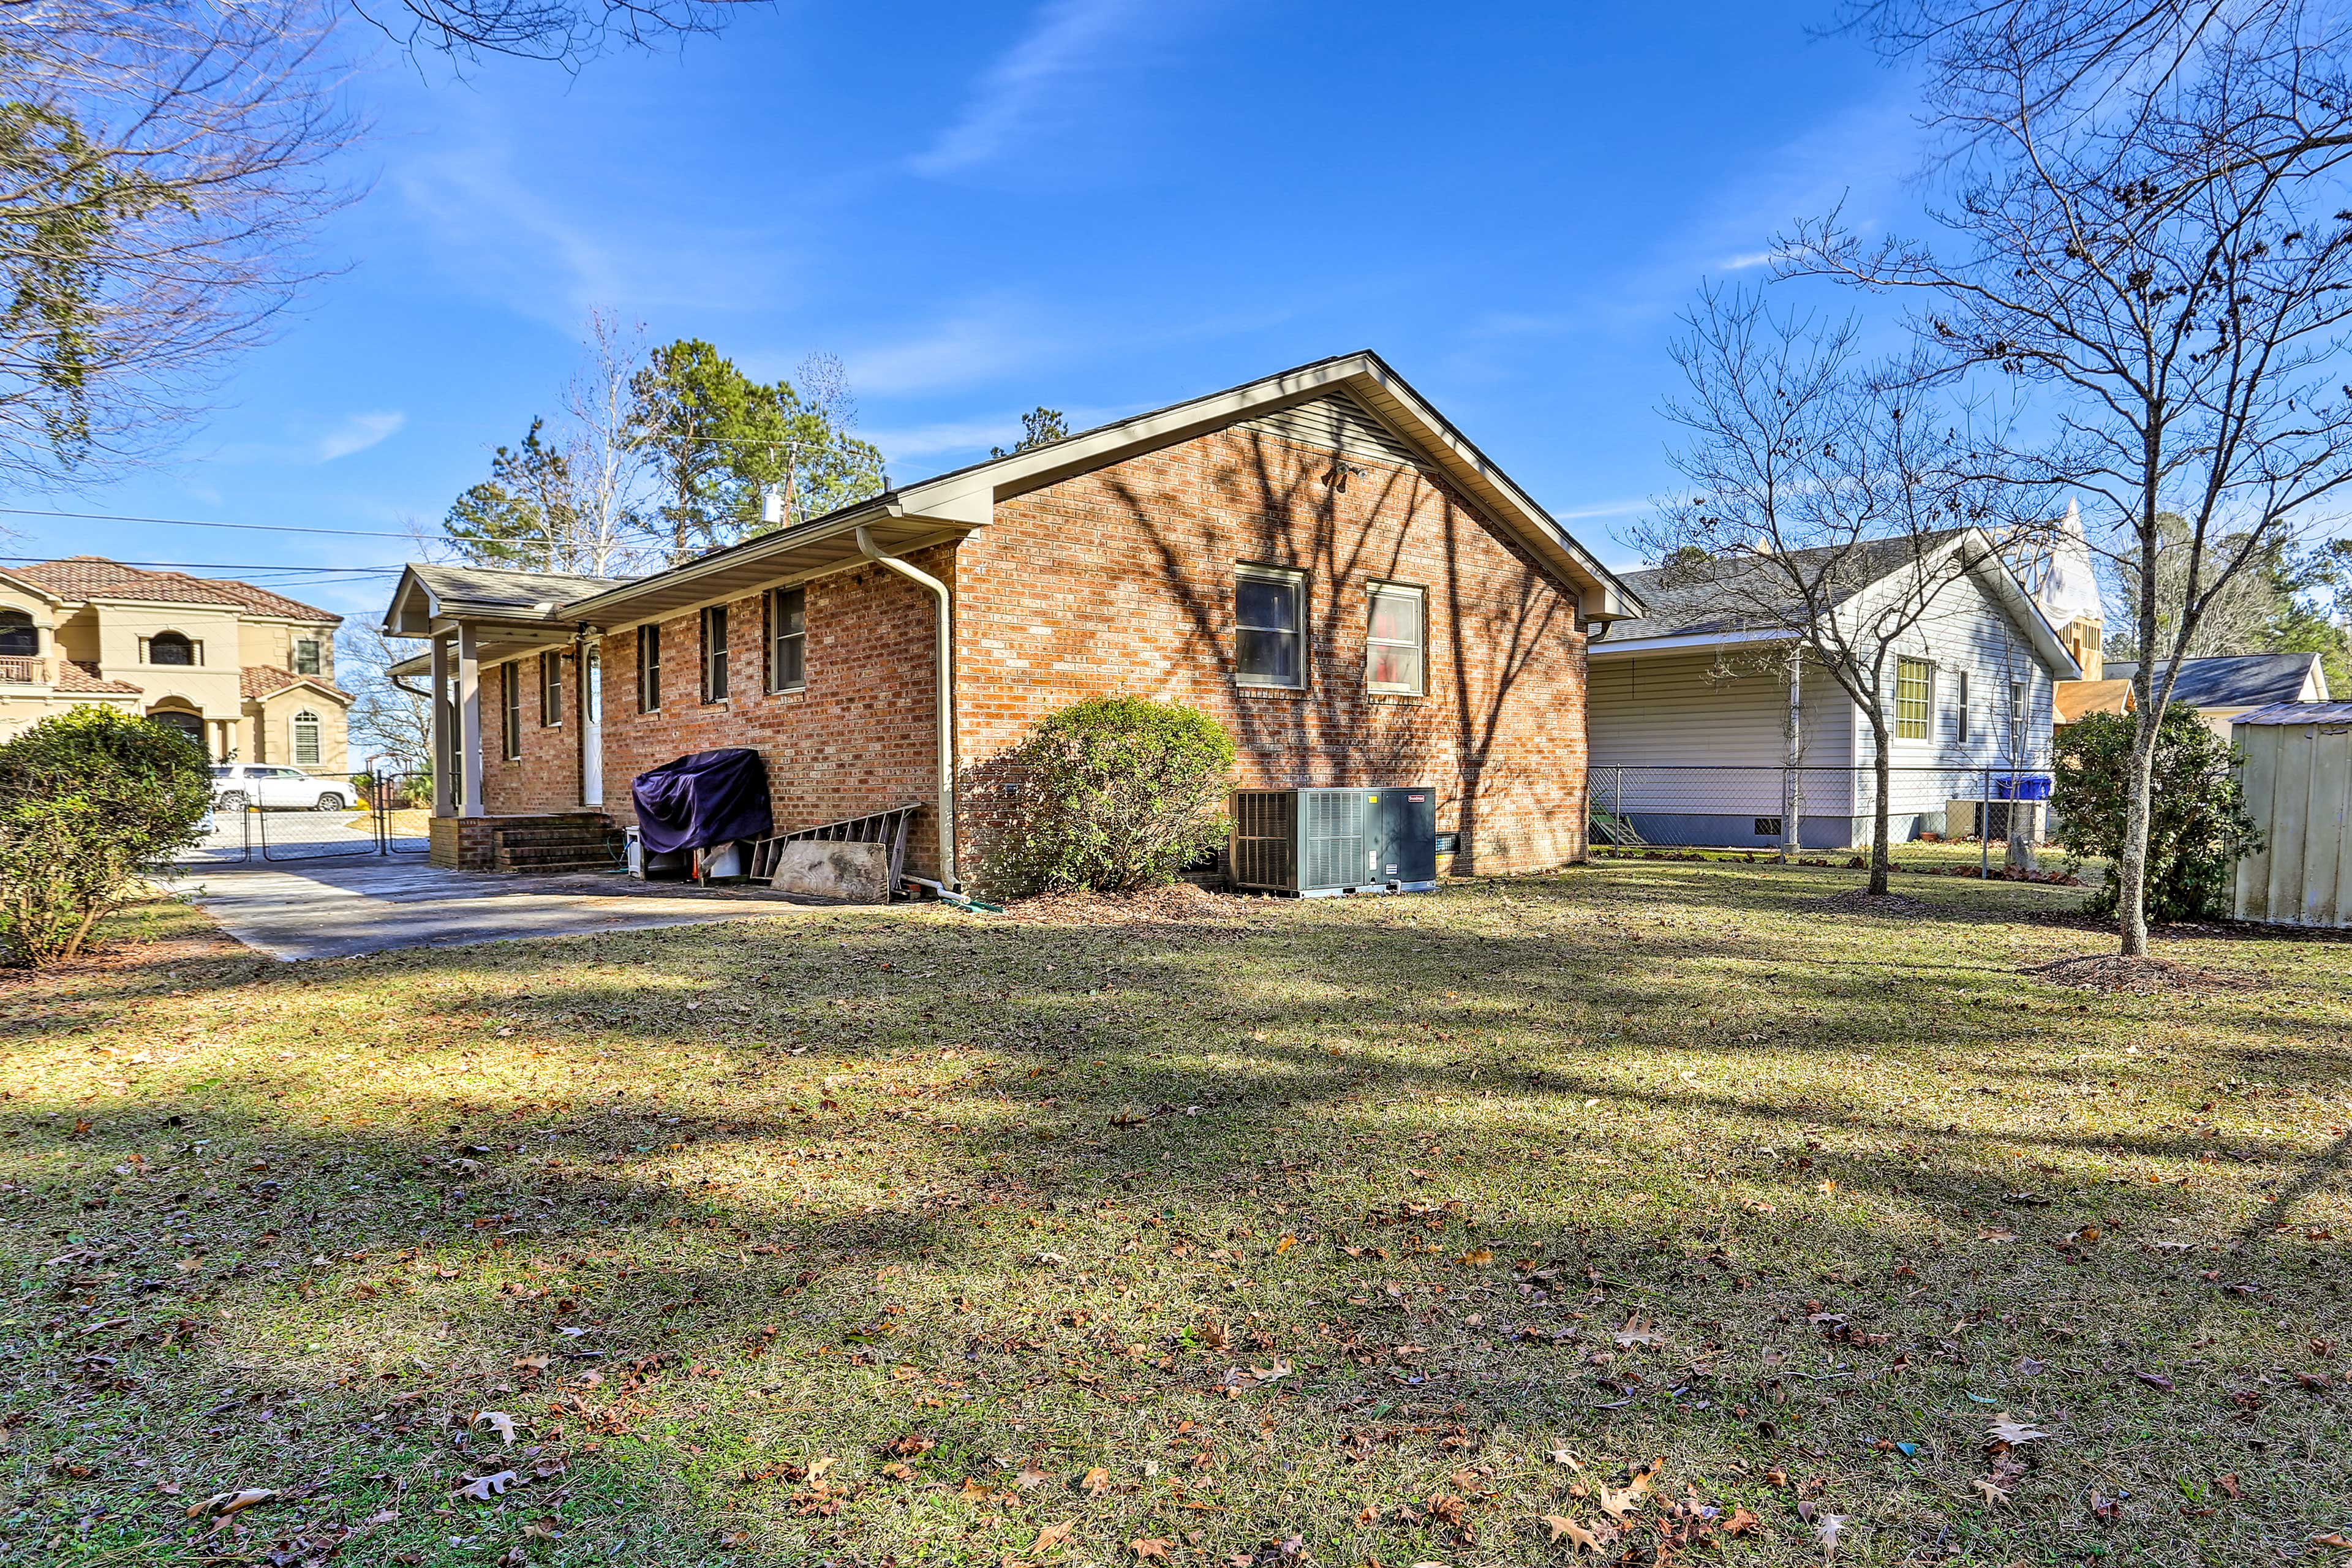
pixel 502 667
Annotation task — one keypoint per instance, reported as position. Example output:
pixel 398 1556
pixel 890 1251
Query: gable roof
pixel 430 591
pixel 949 505
pixel 1701 599
pixel 255 681
pixel 2239 680
pixel 79 577
pixel 1690 609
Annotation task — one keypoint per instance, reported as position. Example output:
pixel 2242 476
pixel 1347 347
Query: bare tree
pixel 2149 230
pixel 161 162
pixel 1827 506
pixel 564 32
pixel 605 465
pixel 387 718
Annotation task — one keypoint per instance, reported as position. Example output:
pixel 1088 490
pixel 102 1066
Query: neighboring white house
pixel 1699 735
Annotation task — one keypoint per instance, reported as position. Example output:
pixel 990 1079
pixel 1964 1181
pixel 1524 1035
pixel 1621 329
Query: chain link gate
pixel 382 814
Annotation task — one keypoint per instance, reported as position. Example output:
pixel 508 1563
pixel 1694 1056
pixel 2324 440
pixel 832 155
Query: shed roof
pixel 2298 713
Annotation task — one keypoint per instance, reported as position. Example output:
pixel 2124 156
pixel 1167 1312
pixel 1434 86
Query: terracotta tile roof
pixel 96 578
pixel 257 681
pixel 73 675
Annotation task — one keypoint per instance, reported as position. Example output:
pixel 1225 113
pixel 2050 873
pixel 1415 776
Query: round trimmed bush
pixel 91 802
pixel 1114 794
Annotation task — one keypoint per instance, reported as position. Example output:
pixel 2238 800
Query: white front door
pixel 592 732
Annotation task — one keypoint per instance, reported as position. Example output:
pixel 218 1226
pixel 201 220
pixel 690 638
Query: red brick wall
pixel 547 776
pixel 860 737
pixel 1121 581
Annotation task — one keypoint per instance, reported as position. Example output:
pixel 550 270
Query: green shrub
pixel 2198 827
pixel 1115 794
pixel 90 802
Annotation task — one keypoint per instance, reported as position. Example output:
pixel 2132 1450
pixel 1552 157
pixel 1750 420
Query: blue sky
pixel 1101 206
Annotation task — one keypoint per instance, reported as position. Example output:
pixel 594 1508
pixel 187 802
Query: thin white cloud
pixel 1604 509
pixel 984 341
pixel 357 433
pixel 1069 45
pixel 1753 259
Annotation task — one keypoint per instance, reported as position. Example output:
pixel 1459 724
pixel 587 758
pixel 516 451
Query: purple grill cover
pixel 710 797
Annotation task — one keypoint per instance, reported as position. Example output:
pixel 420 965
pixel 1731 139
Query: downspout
pixel 946 698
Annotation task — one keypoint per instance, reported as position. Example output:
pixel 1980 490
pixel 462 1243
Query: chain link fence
pixel 382 814
pixel 1806 808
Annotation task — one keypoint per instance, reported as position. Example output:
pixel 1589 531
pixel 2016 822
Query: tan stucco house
pixel 245 673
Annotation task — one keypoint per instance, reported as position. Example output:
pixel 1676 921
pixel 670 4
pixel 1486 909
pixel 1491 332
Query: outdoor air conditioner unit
pixel 1316 843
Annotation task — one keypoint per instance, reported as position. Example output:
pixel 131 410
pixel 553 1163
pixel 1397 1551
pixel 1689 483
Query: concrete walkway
pixel 335 908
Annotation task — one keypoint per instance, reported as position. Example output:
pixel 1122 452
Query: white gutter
pixel 946 697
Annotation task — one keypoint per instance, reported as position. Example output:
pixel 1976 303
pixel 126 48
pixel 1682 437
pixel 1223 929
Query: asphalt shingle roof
pixel 519 590
pixel 1751 592
pixel 2234 681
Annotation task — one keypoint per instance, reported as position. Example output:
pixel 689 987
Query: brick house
pixel 1318 559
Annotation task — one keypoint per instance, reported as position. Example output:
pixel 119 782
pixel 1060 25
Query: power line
pixel 216 565
pixel 195 522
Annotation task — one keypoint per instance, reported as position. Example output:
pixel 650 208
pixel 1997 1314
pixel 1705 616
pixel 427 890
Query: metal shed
pixel 2298 780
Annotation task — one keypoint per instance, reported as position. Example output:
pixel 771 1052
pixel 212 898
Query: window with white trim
pixel 1914 698
pixel 1396 640
pixel 1269 626
pixel 306 749
pixel 305 655
pixel 1960 707
pixel 551 687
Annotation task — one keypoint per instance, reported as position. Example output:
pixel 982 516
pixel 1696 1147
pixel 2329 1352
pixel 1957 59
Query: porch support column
pixel 444 755
pixel 469 721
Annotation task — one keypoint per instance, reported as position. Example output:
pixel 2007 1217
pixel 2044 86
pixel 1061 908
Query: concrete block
pixel 855 873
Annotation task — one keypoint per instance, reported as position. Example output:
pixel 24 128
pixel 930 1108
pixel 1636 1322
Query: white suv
pixel 238 785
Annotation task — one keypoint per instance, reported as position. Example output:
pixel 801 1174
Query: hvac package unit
pixel 1314 842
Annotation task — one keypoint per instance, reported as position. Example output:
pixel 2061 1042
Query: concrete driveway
pixel 334 909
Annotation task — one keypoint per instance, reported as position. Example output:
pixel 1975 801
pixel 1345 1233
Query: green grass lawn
pixel 1655 1200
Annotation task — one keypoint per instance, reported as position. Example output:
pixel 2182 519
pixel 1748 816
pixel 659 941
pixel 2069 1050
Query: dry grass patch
pixel 1646 1211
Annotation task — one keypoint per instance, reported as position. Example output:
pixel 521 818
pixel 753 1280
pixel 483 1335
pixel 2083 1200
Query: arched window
pixel 19 638
pixel 306 739
pixel 169 647
pixel 188 726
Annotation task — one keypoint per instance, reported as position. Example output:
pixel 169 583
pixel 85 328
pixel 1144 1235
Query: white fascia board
pixel 1990 570
pixel 969 496
pixel 1687 642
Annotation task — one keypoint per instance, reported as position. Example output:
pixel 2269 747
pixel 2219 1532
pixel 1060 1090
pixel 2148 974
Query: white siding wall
pixel 1703 732
pixel 1968 632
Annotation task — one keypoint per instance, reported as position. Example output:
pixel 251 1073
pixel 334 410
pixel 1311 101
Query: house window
pixel 511 710
pixel 306 739
pixel 787 639
pixel 1269 636
pixel 1960 707
pixel 171 648
pixel 305 655
pixel 551 687
pixel 19 638
pixel 2019 693
pixel 714 654
pixel 648 668
pixel 1915 696
pixel 1396 641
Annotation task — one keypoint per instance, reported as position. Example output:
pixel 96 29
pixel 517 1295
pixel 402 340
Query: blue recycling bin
pixel 2022 786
